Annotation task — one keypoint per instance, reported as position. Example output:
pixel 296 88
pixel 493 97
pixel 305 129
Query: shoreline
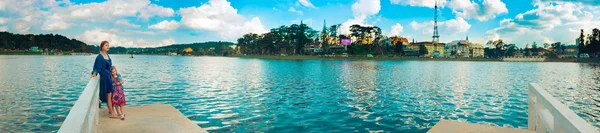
pixel 310 57
pixel 594 61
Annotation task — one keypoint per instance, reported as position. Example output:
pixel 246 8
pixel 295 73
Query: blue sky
pixel 151 23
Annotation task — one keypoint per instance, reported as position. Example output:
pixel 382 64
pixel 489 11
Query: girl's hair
pixel 111 69
pixel 102 44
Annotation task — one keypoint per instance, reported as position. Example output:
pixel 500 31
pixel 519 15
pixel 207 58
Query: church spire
pixel 324 24
pixel 467 37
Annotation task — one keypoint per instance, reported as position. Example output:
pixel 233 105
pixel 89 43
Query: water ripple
pixel 252 95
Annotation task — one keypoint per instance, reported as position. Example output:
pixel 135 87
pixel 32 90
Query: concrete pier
pixel 446 126
pixel 158 118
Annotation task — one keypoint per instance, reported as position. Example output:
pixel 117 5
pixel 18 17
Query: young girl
pixel 118 99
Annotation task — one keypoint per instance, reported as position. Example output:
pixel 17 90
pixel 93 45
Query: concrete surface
pixel 158 118
pixel 445 126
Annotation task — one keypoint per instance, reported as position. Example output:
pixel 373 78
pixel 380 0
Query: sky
pixel 153 23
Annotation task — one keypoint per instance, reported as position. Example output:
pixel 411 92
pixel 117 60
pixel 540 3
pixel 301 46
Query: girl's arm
pixel 120 80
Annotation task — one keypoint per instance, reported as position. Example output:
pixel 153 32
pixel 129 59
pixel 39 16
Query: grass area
pixel 20 53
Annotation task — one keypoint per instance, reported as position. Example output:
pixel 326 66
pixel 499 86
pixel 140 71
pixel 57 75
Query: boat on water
pixel 131 56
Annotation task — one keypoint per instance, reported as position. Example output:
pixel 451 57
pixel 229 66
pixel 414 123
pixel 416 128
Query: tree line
pixel 589 43
pixel 498 49
pixel 292 40
pixel 205 48
pixel 19 42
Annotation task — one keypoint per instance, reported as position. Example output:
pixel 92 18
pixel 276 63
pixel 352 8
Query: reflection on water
pixel 244 95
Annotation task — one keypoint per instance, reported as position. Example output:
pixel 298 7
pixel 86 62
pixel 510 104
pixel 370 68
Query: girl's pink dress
pixel 118 95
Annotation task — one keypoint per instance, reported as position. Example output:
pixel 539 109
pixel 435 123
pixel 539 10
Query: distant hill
pixel 177 48
pixel 20 42
pixel 203 45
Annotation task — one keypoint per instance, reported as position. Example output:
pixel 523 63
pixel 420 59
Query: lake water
pixel 245 95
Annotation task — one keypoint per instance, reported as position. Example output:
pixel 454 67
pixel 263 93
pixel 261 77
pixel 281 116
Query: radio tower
pixel 436 36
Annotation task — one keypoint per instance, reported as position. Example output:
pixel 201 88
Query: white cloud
pixel 423 3
pixel 98 35
pixel 218 16
pixel 306 3
pixel 3 20
pixel 155 10
pixel 548 22
pixel 165 25
pixel 53 25
pixel 3 28
pixel 361 10
pixel 166 42
pixel 108 10
pixel 452 26
pixel 469 9
pixel 22 27
pixel 292 9
pixel 144 32
pixel 396 29
pixel 127 23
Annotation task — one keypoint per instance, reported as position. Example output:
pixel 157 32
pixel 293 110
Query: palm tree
pixel 498 44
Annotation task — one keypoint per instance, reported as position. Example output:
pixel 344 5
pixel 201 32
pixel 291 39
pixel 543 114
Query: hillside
pixel 20 42
pixel 177 48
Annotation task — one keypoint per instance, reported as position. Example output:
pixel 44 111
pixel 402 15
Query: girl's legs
pixel 121 109
pixel 122 113
pixel 110 107
pixel 117 109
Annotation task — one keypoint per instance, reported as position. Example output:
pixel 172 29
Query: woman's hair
pixel 102 44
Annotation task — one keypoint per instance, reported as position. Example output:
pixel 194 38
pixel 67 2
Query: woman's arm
pixel 98 65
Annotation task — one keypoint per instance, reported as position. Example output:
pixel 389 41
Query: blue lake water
pixel 254 95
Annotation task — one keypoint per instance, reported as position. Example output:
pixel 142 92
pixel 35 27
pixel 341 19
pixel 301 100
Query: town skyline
pixel 153 23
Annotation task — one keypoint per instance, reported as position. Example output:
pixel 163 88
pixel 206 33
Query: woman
pixel 102 66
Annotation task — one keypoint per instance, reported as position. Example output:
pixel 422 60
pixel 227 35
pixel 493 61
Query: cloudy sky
pixel 151 23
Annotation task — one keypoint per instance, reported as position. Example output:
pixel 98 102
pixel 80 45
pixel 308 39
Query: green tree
pixel 498 45
pixel 558 47
pixel 510 49
pixel 581 44
pixel 534 49
pixel 423 50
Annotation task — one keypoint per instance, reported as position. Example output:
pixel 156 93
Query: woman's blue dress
pixel 102 66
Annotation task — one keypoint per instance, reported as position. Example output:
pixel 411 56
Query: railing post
pixel 548 114
pixel 531 113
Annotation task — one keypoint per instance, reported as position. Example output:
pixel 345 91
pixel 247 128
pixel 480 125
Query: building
pixel 541 51
pixel 431 52
pixel 477 50
pixel 188 50
pixel 313 47
pixel 34 48
pixel 464 48
pixel 570 51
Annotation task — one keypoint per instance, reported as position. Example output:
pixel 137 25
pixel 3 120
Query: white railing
pixel 83 117
pixel 548 115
